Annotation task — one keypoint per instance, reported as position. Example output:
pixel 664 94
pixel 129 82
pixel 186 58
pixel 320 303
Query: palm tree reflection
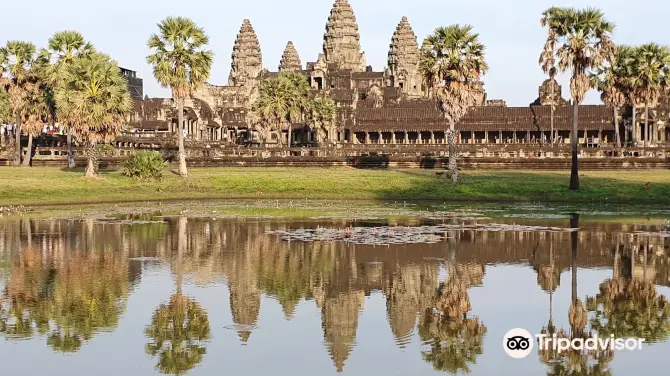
pixel 179 329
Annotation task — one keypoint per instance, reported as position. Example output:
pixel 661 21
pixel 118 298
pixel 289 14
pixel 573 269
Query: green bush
pixel 144 165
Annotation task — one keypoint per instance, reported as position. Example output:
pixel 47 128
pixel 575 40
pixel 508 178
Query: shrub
pixel 144 165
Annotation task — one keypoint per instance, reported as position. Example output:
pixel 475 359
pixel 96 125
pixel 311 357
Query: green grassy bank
pixel 45 186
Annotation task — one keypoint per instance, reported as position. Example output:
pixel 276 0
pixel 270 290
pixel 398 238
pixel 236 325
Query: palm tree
pixel 96 96
pixel 17 59
pixel 611 81
pixel 39 104
pixel 321 115
pixel 5 110
pixel 282 101
pixel 650 68
pixel 299 99
pixel 580 40
pixel 452 65
pixel 64 47
pixel 181 63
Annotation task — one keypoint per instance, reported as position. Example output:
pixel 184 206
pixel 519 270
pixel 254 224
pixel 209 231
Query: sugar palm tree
pixel 97 98
pixel 64 47
pixel 452 65
pixel 611 81
pixel 39 104
pixel 282 101
pixel 650 68
pixel 17 59
pixel 580 41
pixel 321 115
pixel 182 63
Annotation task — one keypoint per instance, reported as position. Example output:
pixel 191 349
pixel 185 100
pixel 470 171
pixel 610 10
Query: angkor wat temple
pixel 387 107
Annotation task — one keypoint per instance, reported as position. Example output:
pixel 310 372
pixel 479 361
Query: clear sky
pixel 509 29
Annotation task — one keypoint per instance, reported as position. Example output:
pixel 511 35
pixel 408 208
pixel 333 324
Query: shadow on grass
pixel 535 186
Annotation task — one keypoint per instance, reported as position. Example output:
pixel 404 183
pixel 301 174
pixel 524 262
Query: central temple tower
pixel 341 42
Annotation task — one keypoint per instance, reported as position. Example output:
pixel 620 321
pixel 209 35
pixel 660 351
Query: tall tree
pixel 182 63
pixel 580 41
pixel 650 66
pixel 612 82
pixel 39 104
pixel 452 65
pixel 17 59
pixel 283 100
pixel 5 110
pixel 299 99
pixel 321 116
pixel 64 47
pixel 97 96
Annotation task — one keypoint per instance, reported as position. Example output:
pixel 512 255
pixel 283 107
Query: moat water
pixel 327 288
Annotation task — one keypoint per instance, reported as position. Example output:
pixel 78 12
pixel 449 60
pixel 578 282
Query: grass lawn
pixel 46 186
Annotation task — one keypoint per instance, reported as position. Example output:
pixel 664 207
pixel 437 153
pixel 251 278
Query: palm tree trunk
pixel 574 240
pixel 616 128
pixel 180 138
pixel 70 153
pixel 615 272
pixel 552 112
pixel 29 152
pixel 574 138
pixel 453 166
pixel 90 167
pixel 17 135
pixel 552 120
pixel 181 247
pixel 633 135
pixel 646 124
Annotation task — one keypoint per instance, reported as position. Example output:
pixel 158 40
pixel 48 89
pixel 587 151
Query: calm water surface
pixel 235 290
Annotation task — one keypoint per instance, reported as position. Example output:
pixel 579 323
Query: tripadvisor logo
pixel 518 343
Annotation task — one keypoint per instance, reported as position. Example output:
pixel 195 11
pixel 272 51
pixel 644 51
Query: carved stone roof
pixel 341 43
pixel 404 49
pixel 421 115
pixel 290 61
pixel 247 60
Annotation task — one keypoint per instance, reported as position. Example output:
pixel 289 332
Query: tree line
pixel 62 82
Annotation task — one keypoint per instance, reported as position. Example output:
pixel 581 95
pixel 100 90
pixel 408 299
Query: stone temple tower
pixel 341 42
pixel 290 61
pixel 247 59
pixel 403 60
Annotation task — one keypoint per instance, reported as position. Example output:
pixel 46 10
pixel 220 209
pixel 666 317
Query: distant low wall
pixel 381 156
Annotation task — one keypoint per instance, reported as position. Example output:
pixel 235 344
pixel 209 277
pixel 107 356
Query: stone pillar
pixel 432 137
pixel 472 137
pixel 406 140
pixel 380 140
pixel 500 139
pixel 418 137
pixel 486 137
pixel 393 141
pixel 367 138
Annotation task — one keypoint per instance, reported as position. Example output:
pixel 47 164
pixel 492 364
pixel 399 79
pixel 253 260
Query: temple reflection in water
pixel 65 282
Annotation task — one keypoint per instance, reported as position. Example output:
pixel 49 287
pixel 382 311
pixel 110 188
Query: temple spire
pixel 290 60
pixel 341 44
pixel 247 60
pixel 403 59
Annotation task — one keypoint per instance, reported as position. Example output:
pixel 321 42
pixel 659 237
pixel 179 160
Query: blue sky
pixel 509 29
